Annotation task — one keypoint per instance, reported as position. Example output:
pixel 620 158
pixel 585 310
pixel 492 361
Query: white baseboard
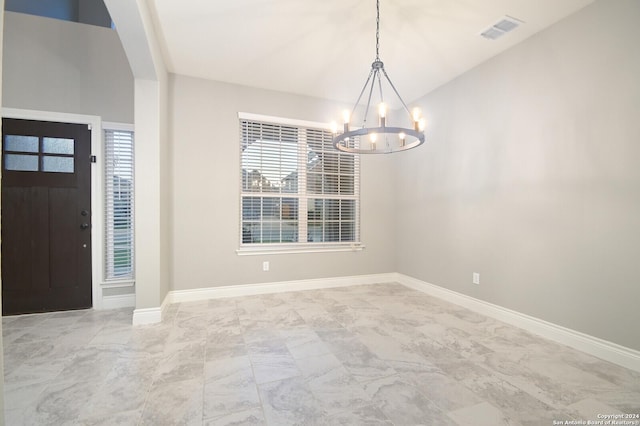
pixel 119 301
pixel 147 316
pixel 600 348
pixel 193 295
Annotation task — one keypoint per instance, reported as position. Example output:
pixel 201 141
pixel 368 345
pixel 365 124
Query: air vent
pixel 500 28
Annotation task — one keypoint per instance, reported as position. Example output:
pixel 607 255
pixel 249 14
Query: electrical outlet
pixel 265 266
pixel 476 278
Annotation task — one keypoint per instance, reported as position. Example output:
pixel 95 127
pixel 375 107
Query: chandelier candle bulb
pixel 382 111
pixel 416 119
pixel 346 116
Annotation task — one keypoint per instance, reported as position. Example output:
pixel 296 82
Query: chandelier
pixel 382 139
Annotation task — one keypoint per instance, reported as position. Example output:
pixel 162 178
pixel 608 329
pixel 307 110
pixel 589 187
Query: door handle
pixel 84 226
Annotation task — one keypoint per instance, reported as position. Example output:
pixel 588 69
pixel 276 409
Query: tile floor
pixel 362 355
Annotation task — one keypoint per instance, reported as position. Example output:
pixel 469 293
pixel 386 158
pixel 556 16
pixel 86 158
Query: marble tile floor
pixel 362 355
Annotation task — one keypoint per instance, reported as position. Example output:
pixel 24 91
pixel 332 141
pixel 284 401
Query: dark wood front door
pixel 46 216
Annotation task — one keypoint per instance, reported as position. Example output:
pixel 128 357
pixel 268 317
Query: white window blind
pixel 296 188
pixel 119 205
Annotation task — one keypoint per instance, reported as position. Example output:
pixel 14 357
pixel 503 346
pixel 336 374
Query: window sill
pixel 298 248
pixel 118 283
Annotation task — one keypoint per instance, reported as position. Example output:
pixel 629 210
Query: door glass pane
pixel 21 143
pixel 57 164
pixel 57 146
pixel 22 163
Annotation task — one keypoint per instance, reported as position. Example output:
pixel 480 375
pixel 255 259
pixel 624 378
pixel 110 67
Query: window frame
pixel 128 279
pixel 302 195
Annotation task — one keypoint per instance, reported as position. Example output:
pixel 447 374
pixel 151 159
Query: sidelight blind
pixel 296 188
pixel 119 205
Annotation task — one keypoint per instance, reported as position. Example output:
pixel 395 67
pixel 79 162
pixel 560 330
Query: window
pixel 38 154
pixel 119 205
pixel 297 190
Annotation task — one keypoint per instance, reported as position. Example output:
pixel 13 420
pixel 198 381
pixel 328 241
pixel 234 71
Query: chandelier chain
pixel 377 30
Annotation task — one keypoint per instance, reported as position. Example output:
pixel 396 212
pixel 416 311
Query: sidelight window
pixel 119 205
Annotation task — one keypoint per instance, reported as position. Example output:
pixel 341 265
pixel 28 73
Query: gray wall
pixel 531 177
pixel 60 66
pixel 206 172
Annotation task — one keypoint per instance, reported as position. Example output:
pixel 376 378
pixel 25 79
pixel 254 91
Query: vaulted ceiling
pixel 325 48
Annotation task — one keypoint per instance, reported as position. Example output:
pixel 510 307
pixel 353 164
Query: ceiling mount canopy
pixel 382 139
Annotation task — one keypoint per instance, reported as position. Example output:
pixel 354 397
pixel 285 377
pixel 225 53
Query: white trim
pixel 597 347
pixel 276 249
pixel 119 301
pixel 178 296
pixel 150 315
pixel 284 121
pixel 97 193
pixel 118 283
pixel 113 144
pixel 301 194
pixel 125 127
pixel 147 316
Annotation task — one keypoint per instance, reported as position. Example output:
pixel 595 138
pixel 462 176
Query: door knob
pixel 84 226
pixel 84 212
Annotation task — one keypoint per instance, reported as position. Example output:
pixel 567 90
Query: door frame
pixel 97 185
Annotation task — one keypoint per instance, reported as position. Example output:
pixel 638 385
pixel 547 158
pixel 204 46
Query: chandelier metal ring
pixel 341 141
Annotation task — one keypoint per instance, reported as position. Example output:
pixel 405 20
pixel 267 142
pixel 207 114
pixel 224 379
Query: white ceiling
pixel 324 48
